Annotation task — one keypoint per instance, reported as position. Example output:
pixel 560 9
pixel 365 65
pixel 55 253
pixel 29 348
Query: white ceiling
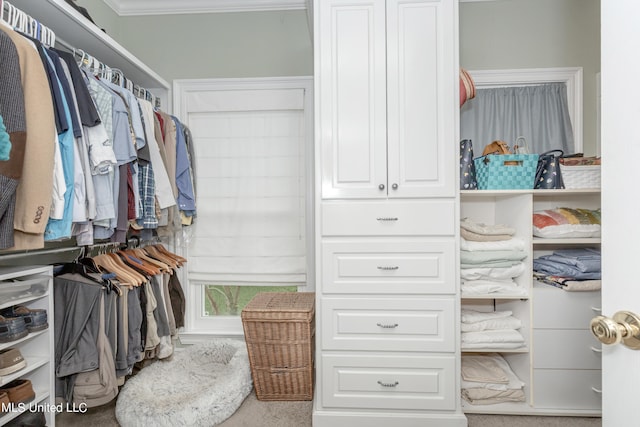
pixel 164 7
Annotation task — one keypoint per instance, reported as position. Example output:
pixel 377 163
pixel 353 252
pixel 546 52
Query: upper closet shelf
pixel 73 28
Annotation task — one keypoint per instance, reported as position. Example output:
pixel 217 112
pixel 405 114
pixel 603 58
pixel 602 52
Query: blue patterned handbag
pixel 467 166
pixel 548 174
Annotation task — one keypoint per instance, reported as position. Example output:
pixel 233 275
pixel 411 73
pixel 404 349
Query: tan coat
pixel 33 196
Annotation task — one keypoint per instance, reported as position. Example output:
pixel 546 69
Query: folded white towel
pixel 500 273
pixel 492 336
pixel 490 229
pixel 472 316
pixel 492 324
pixel 513 244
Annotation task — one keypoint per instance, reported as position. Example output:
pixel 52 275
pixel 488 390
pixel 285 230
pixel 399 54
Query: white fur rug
pixel 202 385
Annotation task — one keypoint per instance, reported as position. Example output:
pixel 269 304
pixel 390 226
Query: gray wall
pixel 498 34
pixel 505 34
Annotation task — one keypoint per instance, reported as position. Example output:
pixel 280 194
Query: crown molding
pixel 171 7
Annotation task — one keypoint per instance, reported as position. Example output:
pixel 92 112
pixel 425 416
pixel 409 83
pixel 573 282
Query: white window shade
pixel 251 180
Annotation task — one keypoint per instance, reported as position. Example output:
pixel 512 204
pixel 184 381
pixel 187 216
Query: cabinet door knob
pixel 624 327
pixel 394 186
pixel 381 187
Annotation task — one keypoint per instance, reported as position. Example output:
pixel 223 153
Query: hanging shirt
pixel 163 192
pixel 186 196
pixel 61 228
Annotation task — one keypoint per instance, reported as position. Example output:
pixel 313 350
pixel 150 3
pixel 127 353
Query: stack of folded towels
pixel 495 330
pixel 490 258
pixel 488 379
pixel 570 269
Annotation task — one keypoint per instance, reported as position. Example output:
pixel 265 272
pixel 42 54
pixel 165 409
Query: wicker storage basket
pixel 581 176
pixel 279 329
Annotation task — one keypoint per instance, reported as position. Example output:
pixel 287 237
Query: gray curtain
pixel 539 113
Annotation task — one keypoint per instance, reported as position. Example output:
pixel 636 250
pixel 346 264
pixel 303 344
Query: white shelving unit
pixel 32 287
pixel 554 322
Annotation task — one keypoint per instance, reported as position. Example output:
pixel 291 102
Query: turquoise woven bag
pixel 506 171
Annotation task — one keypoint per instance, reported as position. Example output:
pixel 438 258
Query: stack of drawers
pixel 387 306
pixel 566 357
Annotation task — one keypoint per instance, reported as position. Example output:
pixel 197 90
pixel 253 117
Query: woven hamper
pixel 279 330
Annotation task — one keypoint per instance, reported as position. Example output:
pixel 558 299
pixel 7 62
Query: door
pixel 620 202
pixel 421 105
pixel 351 98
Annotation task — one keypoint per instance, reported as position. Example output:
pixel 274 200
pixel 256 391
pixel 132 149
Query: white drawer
pixel 388 324
pixel 554 308
pixel 376 266
pixel 567 389
pixel 388 382
pixel 566 349
pixel 410 218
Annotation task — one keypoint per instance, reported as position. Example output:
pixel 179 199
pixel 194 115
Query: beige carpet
pixel 255 413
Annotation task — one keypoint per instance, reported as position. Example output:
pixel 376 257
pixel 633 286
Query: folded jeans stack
pixel 570 269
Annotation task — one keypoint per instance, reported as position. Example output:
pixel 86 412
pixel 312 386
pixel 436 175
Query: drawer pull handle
pixel 387 219
pixel 597 390
pixel 387 268
pixel 387 326
pixel 394 384
pixel 597 350
pixel 597 309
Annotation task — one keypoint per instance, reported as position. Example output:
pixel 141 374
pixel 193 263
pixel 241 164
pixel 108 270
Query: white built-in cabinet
pixel 387 338
pixel 33 288
pixel 560 362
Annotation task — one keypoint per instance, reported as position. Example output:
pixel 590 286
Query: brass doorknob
pixel 624 328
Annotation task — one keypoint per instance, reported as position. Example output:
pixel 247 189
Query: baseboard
pixel 378 419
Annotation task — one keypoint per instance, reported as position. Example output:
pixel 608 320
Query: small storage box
pixel 279 330
pixel 587 176
pixel 506 171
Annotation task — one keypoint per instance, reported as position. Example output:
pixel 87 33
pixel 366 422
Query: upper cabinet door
pixel 351 94
pixel 386 98
pixel 421 111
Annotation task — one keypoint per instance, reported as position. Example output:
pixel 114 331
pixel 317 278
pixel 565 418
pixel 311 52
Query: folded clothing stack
pixel 562 223
pixel 570 269
pixel 488 379
pixel 495 330
pixel 490 258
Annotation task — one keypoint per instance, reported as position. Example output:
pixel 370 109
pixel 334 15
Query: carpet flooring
pixel 255 413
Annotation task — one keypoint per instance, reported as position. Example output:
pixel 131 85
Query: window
pixel 253 147
pixel 544 105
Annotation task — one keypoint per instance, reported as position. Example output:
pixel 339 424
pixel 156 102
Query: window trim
pixel 198 327
pixel 571 76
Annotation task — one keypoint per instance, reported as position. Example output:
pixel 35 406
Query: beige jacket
pixel 33 196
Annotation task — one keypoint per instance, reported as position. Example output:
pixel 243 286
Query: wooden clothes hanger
pixel 124 276
pixel 144 256
pixel 137 261
pixel 155 253
pixel 176 257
